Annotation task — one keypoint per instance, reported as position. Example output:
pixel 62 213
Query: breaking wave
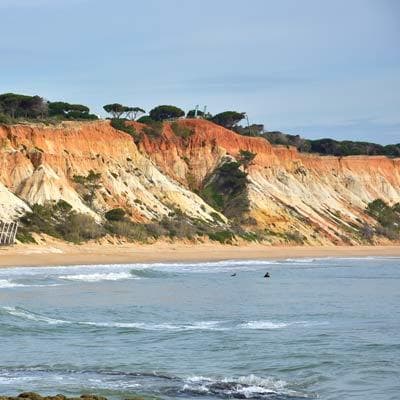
pixel 243 387
pixel 28 315
pixel 263 325
pixel 98 277
pixel 148 326
pixel 117 272
pixel 5 283
pixel 201 325
pixel 21 313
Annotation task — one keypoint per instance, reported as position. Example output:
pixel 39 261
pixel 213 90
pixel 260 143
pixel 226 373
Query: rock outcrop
pixel 11 207
pixel 37 396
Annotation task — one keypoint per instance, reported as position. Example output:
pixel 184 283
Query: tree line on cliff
pixel 333 147
pixel 324 146
pixel 14 106
pixel 17 106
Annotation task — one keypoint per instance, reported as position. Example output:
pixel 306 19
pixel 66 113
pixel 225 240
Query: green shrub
pixel 24 236
pixel 226 191
pixel 128 229
pixel 146 119
pixel 249 236
pixel 377 207
pixel 294 237
pixel 60 221
pixel 88 185
pixel 366 232
pixel 155 230
pixel 5 119
pixel 116 214
pixel 222 236
pixel 42 219
pixel 179 226
pixel 211 195
pixel 120 124
pixel 153 129
pixel 79 227
pixel 246 158
pixel 181 131
pixel 388 218
pixel 389 232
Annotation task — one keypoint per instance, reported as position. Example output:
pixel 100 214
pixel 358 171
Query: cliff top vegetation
pixel 16 108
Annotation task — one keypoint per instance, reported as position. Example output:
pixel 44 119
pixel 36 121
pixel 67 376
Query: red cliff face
pixel 38 163
pixel 199 154
pixel 209 142
pixel 318 196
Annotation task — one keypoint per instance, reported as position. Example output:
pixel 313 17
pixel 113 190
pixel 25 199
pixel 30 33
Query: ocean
pixel 324 328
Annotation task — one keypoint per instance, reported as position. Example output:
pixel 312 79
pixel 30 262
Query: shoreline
pixel 55 254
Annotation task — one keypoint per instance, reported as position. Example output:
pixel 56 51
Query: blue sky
pixel 316 68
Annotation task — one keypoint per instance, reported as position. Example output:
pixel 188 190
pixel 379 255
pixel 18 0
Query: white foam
pixel 5 283
pixel 9 380
pixel 263 325
pixel 196 379
pixel 208 325
pixel 205 267
pixel 18 312
pixel 110 272
pixel 200 325
pixel 132 325
pixel 262 382
pixel 250 386
pixel 301 260
pixel 165 326
pixel 98 277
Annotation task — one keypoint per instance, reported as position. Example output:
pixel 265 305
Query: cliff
pixel 38 164
pixel 321 198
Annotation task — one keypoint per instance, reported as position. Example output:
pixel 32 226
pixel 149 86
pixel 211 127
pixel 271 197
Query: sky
pixel 309 67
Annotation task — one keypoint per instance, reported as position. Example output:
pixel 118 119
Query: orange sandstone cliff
pixel 38 164
pixel 319 197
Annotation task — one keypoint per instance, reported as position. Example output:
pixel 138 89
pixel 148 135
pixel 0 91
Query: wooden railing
pixel 8 231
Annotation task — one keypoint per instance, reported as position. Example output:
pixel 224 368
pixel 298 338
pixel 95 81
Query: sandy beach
pixel 68 254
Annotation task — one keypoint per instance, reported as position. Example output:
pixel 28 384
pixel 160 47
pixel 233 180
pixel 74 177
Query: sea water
pixel 317 328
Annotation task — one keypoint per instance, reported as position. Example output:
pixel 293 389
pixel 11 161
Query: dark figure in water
pixel 267 275
pixel 234 274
